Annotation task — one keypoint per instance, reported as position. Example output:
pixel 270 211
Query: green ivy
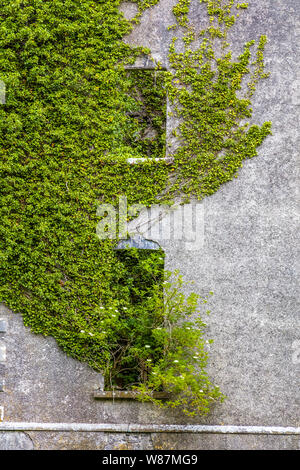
pixel 177 356
pixel 146 128
pixel 66 131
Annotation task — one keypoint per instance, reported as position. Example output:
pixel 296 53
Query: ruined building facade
pixel 246 254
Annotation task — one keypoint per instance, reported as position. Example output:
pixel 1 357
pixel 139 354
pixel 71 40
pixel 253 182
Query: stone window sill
pixel 125 395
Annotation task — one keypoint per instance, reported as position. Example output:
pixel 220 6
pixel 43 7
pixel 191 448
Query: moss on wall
pixel 66 131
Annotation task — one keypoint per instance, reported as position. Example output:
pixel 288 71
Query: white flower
pixel 125 308
pixel 158 328
pixel 195 357
pixel 91 334
pixel 82 331
pixel 148 360
pixel 113 315
pixel 147 346
pixel 101 308
pixel 116 311
pixel 175 360
pixel 201 391
pixel 188 328
pixel 181 376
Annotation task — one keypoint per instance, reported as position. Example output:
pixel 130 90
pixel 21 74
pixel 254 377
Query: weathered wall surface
pixel 105 441
pixel 249 251
pixel 247 257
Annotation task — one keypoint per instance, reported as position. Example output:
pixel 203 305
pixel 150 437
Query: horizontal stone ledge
pixel 148 428
pixel 126 395
pixel 138 161
pixel 167 160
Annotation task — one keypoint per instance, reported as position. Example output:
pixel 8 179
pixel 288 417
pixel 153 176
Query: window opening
pixel 140 286
pixel 146 114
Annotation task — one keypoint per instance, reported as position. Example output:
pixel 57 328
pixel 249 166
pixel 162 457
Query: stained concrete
pixel 104 441
pixel 15 441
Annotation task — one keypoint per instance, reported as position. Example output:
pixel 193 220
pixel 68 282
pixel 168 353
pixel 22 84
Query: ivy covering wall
pixel 66 131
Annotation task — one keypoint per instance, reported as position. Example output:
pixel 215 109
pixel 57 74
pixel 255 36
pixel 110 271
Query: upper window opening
pixel 147 114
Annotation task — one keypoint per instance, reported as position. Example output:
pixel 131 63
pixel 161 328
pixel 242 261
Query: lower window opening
pixel 140 286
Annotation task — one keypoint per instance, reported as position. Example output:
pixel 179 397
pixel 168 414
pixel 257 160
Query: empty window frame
pixel 147 114
pixel 141 268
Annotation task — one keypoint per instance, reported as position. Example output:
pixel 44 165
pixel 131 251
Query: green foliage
pixel 66 131
pixel 146 128
pixel 212 102
pixel 140 285
pixel 180 367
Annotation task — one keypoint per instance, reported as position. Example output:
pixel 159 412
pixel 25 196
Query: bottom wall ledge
pixel 148 428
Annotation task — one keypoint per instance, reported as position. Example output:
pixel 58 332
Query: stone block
pixel 2 352
pixel 3 326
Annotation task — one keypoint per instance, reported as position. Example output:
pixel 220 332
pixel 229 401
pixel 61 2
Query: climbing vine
pixel 206 91
pixel 67 128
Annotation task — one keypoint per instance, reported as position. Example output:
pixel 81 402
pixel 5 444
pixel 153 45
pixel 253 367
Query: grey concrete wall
pixel 249 254
pixel 247 257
